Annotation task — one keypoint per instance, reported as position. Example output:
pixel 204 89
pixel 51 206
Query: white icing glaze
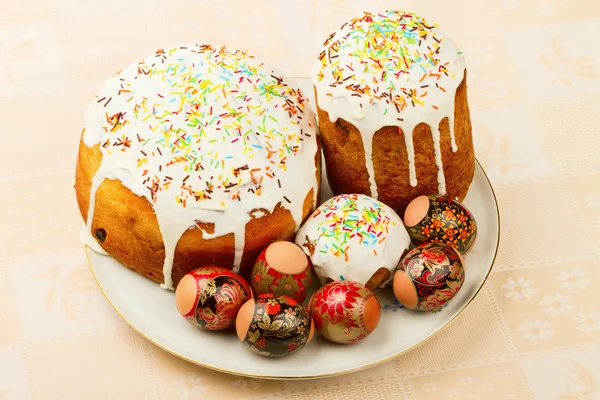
pixel 438 161
pixel 207 136
pixel 390 69
pixel 352 236
pixel 368 146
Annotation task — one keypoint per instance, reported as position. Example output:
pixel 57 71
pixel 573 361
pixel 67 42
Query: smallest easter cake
pixel 353 237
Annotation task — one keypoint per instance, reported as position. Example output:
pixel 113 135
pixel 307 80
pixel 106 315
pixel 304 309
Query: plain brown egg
pixel 372 313
pixel 416 211
pixel 244 318
pixel 286 258
pixel 405 290
pixel 185 295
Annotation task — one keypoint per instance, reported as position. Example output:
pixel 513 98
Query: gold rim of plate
pixel 344 372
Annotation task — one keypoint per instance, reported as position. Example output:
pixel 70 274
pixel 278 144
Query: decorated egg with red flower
pixel 274 326
pixel 210 297
pixel 282 269
pixel 429 276
pixel 345 311
pixel 440 219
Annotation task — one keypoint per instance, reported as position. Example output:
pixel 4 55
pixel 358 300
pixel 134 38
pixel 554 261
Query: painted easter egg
pixel 210 297
pixel 440 219
pixel 345 311
pixel 274 326
pixel 282 269
pixel 429 276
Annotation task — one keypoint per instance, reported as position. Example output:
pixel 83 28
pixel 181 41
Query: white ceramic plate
pixel 151 311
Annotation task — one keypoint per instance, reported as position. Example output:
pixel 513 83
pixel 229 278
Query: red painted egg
pixel 345 311
pixel 274 326
pixel 282 269
pixel 440 219
pixel 210 297
pixel 429 276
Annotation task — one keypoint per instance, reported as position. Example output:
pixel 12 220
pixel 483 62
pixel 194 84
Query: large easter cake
pixel 196 156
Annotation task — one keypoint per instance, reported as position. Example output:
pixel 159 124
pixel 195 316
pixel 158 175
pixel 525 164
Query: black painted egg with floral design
pixel 436 218
pixel 274 326
pixel 429 276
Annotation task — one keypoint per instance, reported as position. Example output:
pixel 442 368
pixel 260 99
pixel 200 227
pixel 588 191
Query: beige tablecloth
pixel 534 92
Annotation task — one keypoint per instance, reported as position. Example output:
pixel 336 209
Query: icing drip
pixel 368 146
pixel 410 151
pixel 390 69
pixel 206 136
pixel 451 129
pixel 239 241
pixel 170 238
pixel 435 133
pixel 351 237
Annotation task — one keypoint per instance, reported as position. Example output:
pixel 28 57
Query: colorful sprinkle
pixel 393 48
pixel 201 119
pixel 349 219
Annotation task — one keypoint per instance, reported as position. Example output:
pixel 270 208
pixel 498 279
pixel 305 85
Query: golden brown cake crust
pixel 345 157
pixel 133 236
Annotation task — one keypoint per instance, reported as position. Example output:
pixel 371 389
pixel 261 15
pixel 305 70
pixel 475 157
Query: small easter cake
pixel 353 237
pixel 192 156
pixel 391 92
